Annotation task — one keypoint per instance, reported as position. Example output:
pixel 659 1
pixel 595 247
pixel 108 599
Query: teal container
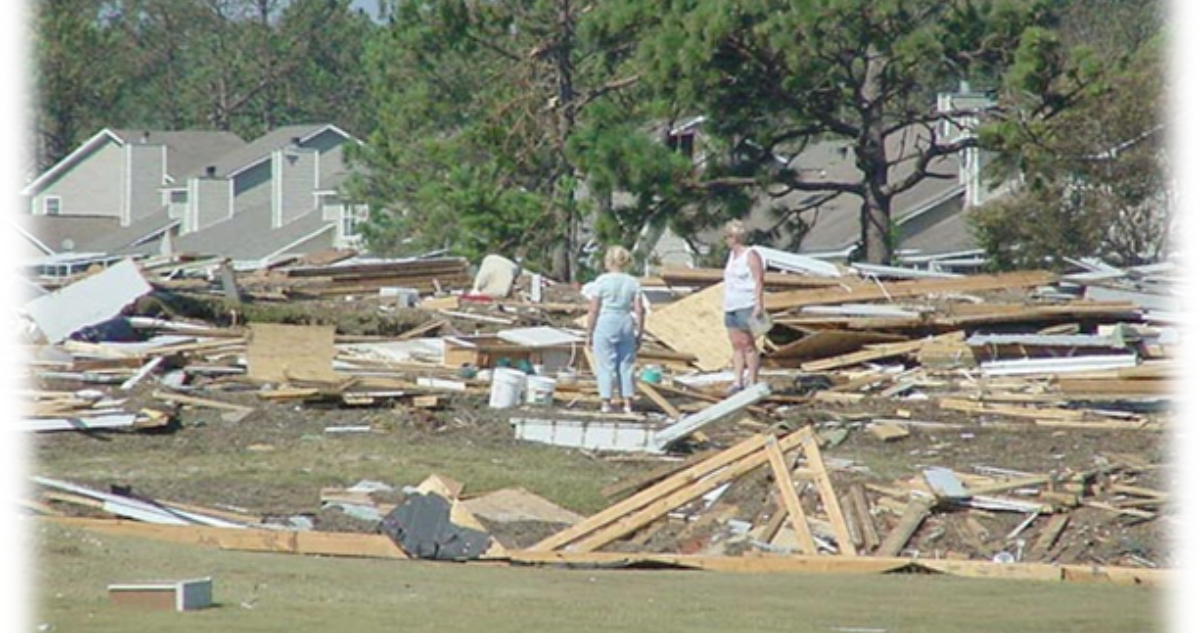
pixel 652 375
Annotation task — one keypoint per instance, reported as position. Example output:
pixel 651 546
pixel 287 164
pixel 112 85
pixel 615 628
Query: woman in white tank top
pixel 743 301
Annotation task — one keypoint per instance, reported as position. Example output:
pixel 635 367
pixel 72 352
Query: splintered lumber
pixel 829 498
pixel 308 542
pixel 787 491
pixel 914 514
pixel 626 516
pixel 895 290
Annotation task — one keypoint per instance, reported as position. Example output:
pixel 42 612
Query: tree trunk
pixel 871 155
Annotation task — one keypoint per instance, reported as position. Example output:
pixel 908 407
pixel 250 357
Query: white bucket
pixel 539 390
pixel 507 384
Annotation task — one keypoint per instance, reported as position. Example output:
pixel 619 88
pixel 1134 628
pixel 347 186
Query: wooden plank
pixel 641 499
pixel 771 527
pixel 787 491
pixel 250 539
pixel 657 398
pixel 696 325
pixel 679 276
pixel 1047 537
pixel 889 291
pixel 829 498
pixel 1115 386
pixel 662 506
pixel 862 507
pixel 870 353
pixel 642 480
pixel 914 515
pixel 797 563
pixel 199 402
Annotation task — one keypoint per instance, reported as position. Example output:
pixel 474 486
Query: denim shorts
pixel 739 319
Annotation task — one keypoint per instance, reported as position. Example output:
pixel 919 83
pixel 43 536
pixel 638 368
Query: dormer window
pixel 51 205
pixel 682 142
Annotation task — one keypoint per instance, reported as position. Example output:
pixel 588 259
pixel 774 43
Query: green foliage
pixel 241 65
pixel 1094 175
pixel 73 93
pixel 774 76
pixel 485 125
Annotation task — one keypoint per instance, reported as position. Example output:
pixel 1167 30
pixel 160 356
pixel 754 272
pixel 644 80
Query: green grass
pixel 278 592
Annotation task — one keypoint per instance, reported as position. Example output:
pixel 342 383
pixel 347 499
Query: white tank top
pixel 739 282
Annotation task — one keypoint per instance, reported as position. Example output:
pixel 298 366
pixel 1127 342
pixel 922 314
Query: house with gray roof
pixel 254 203
pixel 112 187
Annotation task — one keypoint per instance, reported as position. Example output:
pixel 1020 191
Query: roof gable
pixel 260 149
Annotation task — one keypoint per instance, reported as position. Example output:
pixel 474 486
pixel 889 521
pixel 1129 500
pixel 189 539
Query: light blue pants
pixel 615 348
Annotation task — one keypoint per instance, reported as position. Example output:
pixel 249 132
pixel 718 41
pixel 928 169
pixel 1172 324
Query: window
pixel 353 215
pixel 51 205
pixel 682 142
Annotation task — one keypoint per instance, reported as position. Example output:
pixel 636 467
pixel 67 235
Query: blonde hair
pixel 736 229
pixel 616 258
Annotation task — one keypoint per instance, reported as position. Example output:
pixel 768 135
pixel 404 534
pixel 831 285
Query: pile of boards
pixel 1086 352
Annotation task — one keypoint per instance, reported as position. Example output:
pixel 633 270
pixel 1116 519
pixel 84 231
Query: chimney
pixel 210 171
pixel 145 136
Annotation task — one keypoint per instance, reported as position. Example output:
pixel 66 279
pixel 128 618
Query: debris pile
pixel 873 356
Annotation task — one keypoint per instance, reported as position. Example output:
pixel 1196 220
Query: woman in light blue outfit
pixel 615 315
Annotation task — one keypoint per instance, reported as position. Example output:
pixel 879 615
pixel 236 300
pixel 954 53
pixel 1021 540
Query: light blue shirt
pixel 616 291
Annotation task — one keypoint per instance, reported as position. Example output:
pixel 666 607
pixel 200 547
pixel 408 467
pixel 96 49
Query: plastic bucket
pixel 507 385
pixel 539 390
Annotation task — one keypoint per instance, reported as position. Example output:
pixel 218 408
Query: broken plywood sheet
pixel 694 324
pixel 509 505
pixel 828 343
pixel 279 353
pixel 93 300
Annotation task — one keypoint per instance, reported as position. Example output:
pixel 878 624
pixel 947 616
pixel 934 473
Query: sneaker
pixel 733 388
pixel 628 409
pixel 605 407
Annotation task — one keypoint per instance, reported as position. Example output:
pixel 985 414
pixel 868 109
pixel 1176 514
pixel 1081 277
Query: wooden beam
pixel 901 289
pixel 250 539
pixel 914 515
pixel 787 491
pixel 627 522
pixel 829 498
pixel 1048 536
pixel 862 509
pixel 641 499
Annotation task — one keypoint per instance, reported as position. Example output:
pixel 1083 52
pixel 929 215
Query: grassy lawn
pixel 275 592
